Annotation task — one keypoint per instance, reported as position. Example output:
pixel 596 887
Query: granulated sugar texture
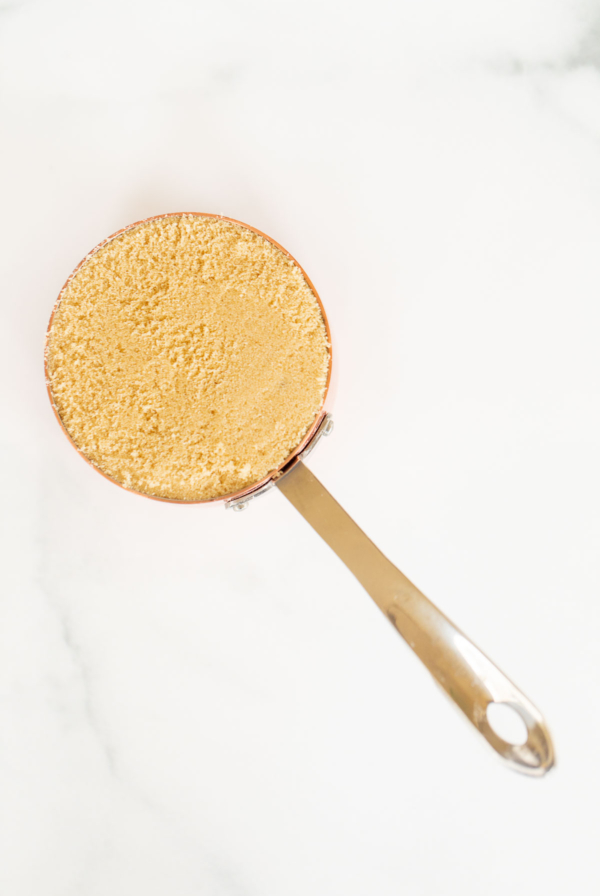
pixel 188 357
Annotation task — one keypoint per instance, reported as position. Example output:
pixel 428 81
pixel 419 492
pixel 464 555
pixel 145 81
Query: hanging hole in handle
pixel 507 723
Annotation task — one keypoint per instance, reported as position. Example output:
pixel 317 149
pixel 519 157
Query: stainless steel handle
pixel 470 679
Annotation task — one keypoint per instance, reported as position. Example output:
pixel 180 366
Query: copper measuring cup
pixel 469 678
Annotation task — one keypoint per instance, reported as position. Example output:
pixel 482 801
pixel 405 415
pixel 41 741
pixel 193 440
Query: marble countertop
pixel 201 702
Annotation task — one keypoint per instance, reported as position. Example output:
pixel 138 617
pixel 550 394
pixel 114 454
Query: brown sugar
pixel 187 357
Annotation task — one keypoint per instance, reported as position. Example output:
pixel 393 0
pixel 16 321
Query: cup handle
pixel 469 678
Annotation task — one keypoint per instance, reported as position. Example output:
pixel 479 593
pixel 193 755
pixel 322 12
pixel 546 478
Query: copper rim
pixel 274 473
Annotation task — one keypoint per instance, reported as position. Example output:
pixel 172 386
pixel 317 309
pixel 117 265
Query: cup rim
pixel 318 417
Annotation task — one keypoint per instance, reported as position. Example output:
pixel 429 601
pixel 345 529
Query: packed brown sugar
pixel 188 358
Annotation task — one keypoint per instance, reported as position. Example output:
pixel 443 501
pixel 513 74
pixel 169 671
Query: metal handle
pixel 470 679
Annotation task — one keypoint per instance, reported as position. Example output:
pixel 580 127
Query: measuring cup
pixel 467 676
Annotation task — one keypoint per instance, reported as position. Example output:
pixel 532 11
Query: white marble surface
pixel 195 702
